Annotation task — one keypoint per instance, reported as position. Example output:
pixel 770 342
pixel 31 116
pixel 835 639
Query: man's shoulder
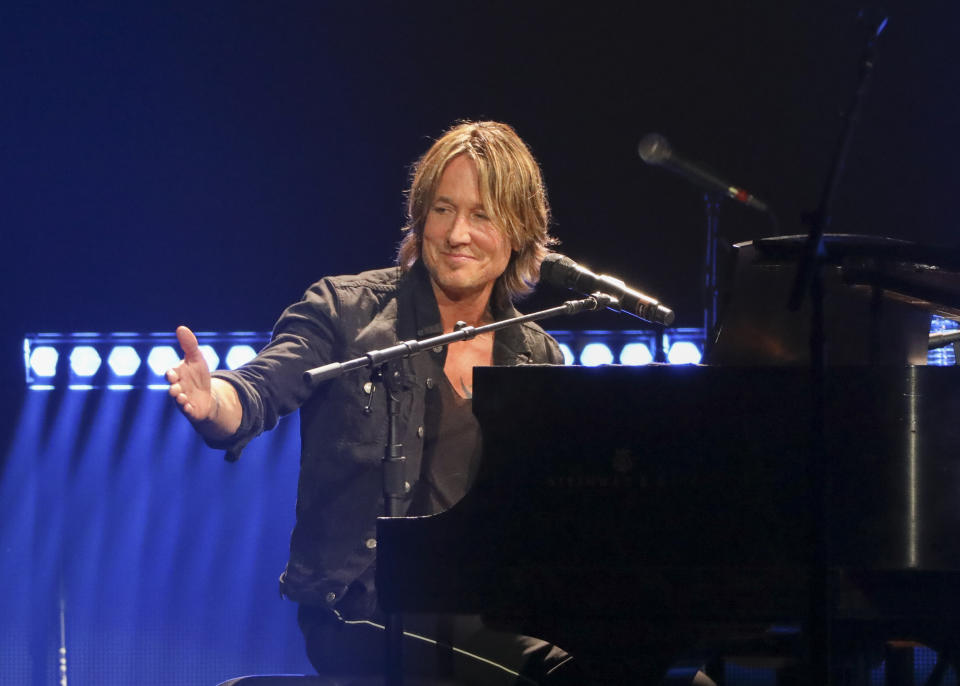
pixel 384 279
pixel 541 344
pixel 535 330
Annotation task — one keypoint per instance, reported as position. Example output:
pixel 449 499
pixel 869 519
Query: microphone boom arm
pixel 374 358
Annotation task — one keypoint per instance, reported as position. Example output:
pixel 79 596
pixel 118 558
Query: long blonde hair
pixel 511 190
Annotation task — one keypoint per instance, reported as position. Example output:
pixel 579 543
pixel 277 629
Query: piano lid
pixel 878 297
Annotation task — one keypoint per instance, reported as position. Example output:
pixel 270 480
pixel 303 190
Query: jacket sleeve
pixel 271 385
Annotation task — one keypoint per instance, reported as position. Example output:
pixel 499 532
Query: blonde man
pixel 476 234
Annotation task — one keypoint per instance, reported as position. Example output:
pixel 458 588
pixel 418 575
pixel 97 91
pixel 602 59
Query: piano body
pixel 628 513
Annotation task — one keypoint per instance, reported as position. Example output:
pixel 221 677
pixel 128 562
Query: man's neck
pixel 472 308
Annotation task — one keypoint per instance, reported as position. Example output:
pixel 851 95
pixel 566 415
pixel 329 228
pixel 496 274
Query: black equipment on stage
pixel 629 514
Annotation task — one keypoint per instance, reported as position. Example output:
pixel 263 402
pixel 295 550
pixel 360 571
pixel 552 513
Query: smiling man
pixel 477 232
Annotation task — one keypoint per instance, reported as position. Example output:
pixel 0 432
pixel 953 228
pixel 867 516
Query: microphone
pixel 560 270
pixel 654 149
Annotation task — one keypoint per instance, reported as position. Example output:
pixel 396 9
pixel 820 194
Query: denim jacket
pixel 340 490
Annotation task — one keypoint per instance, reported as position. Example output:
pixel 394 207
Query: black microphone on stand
pixel 560 270
pixel 654 149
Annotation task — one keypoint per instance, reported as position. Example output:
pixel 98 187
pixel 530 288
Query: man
pixel 477 232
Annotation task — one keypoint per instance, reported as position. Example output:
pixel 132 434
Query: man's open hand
pixel 190 380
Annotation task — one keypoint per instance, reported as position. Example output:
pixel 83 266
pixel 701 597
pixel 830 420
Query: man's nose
pixel 460 230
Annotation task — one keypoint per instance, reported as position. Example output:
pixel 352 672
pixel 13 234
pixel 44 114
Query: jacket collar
pixel 419 317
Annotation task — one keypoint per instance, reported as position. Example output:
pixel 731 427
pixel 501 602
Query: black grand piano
pixel 630 514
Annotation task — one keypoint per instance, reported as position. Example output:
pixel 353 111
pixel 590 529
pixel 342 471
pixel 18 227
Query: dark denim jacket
pixel 339 494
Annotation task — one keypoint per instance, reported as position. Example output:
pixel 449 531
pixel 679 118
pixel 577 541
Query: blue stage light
pixel 684 352
pixel 239 355
pixel 568 357
pixel 210 355
pixel 594 354
pixel 43 360
pixel 162 358
pixel 123 360
pixel 636 354
pixel 84 360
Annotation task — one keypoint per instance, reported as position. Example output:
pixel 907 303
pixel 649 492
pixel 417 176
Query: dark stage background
pixel 203 163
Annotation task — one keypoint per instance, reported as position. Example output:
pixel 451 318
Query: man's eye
pixel 481 216
pixel 441 210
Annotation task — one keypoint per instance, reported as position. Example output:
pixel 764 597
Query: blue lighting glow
pixel 210 355
pixel 162 358
pixel 943 356
pixel 636 354
pixel 568 357
pixel 123 360
pixel 684 352
pixel 43 361
pixel 239 355
pixel 594 354
pixel 84 360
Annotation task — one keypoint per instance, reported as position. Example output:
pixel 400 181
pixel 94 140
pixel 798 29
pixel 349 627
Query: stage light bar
pixel 946 355
pixel 124 352
pixel 115 361
pixel 684 352
pixel 239 355
pixel 123 360
pixel 635 354
pixel 162 358
pixel 595 354
pixel 84 360
pixel 43 361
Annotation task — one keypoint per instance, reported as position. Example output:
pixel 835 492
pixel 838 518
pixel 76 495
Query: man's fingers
pixel 189 345
pixel 186 406
pixel 172 376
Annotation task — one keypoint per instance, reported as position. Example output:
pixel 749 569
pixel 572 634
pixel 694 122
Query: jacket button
pixel 368 387
pixel 430 383
pixel 371 543
pixel 406 486
pixel 331 597
pixel 419 432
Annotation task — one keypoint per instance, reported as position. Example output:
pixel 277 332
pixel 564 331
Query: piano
pixel 633 514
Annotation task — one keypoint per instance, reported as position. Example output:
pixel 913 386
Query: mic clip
pixel 605 301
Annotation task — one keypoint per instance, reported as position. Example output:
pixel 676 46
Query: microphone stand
pixel 809 278
pixel 394 461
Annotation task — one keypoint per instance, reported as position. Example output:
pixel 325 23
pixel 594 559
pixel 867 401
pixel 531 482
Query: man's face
pixel 464 251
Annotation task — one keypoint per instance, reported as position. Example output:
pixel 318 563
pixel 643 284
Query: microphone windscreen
pixel 654 149
pixel 558 270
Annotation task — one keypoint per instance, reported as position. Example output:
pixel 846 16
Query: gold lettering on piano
pixel 622 474
pixel 595 481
